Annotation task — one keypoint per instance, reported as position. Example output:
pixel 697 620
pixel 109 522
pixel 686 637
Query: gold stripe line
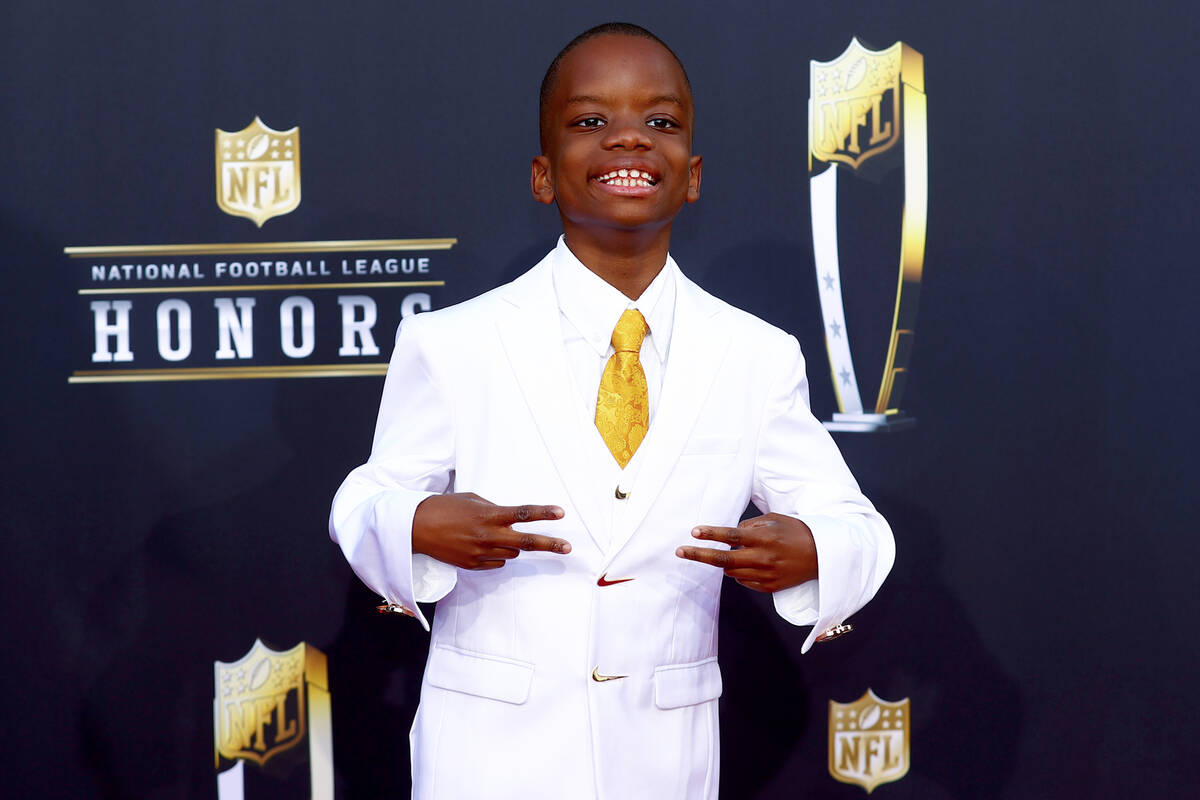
pixel 370 365
pixel 226 373
pixel 262 287
pixel 913 223
pixel 329 246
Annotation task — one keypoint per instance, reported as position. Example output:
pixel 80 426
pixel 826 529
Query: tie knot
pixel 630 331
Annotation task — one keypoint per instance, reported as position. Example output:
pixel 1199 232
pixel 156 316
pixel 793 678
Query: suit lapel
pixel 531 334
pixel 697 349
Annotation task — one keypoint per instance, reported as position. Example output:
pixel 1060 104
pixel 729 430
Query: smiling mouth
pixel 627 177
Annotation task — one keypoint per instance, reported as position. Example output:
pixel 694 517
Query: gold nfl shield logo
pixel 856 104
pixel 258 171
pixel 868 741
pixel 259 707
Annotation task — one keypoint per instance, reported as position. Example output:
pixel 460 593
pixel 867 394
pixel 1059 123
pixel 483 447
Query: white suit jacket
pixel 477 398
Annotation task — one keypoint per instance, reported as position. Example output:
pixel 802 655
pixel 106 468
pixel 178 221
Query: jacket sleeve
pixel 799 472
pixel 412 458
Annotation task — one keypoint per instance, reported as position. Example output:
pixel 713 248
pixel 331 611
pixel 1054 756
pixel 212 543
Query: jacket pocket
pixel 677 685
pixel 494 677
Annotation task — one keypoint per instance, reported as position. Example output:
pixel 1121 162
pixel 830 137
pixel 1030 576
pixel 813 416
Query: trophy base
pixel 870 423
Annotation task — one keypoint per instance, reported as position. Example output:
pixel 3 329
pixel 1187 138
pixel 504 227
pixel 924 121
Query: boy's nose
pixel 627 135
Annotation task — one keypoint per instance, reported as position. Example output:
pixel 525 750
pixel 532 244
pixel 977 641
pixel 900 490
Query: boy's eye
pixel 590 122
pixel 662 122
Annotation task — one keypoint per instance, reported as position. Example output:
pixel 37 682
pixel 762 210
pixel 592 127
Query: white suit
pixel 477 399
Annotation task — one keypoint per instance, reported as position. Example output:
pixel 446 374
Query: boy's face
pixel 618 138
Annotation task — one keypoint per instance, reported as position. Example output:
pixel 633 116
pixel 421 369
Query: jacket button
pixel 620 493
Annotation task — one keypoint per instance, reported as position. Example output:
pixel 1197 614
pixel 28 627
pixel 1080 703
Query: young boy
pixel 648 413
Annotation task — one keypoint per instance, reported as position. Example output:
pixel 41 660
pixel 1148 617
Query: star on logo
pixel 837 330
pixel 828 280
pixel 845 376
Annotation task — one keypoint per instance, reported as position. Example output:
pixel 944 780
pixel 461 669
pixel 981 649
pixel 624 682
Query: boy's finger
pixel 509 515
pixel 723 559
pixel 532 541
pixel 730 536
pixel 747 574
pixel 500 551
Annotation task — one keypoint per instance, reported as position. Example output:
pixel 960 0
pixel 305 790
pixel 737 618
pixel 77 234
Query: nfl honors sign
pixel 869 741
pixel 864 106
pixel 242 310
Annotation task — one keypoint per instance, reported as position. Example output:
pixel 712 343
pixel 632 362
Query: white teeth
pixel 627 177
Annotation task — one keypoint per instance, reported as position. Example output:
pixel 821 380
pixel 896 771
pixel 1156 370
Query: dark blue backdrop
pixel 1041 616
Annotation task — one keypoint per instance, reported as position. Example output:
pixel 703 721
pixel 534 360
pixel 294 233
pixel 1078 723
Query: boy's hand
pixel 469 532
pixel 770 553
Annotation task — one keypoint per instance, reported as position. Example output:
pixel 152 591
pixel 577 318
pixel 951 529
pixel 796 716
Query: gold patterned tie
pixel 623 404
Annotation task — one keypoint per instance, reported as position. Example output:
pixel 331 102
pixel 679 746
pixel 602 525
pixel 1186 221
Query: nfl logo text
pixel 869 741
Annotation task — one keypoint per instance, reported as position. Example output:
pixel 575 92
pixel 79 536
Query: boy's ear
pixel 540 182
pixel 693 190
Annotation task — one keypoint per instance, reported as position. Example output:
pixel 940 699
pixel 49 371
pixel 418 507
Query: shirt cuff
pixel 798 605
pixel 822 602
pixel 801 605
pixel 391 532
pixel 431 579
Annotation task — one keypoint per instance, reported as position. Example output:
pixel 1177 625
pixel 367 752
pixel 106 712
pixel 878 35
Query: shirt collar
pixel 593 305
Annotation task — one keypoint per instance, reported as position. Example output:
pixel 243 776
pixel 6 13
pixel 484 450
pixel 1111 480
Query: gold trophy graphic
pixel 271 708
pixel 866 113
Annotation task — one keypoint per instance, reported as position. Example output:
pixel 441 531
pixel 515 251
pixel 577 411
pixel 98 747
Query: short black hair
pixel 606 29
